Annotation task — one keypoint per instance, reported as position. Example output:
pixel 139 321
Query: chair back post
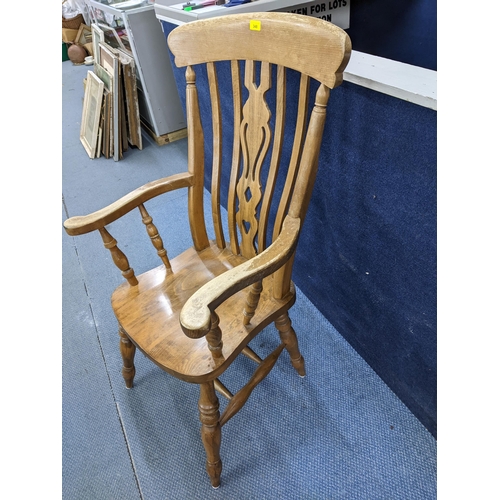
pixel 196 158
pixel 305 181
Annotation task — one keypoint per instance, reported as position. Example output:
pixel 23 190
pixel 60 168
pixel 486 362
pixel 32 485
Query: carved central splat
pixel 255 135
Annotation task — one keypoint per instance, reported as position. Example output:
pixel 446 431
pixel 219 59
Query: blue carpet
pixel 338 433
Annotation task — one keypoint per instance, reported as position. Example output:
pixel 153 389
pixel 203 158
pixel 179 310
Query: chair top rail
pixel 306 44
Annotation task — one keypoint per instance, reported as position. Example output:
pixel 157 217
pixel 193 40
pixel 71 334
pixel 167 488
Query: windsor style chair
pixel 195 314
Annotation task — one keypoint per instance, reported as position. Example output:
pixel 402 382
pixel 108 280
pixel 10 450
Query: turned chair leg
pixel 210 430
pixel 289 338
pixel 127 350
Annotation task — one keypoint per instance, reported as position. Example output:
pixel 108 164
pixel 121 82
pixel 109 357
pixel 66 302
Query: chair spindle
pixel 217 153
pixel 119 258
pixel 214 337
pixel 279 132
pixel 253 297
pixel 241 397
pixel 155 236
pixel 236 160
pixel 222 389
pixel 298 141
pixel 250 354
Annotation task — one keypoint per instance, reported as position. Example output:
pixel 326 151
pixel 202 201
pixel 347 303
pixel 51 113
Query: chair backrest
pixel 260 46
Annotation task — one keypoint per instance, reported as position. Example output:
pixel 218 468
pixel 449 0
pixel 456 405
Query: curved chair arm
pixel 97 220
pixel 195 317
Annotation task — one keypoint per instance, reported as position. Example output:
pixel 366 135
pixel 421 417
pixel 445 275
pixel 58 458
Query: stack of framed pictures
pixel 110 117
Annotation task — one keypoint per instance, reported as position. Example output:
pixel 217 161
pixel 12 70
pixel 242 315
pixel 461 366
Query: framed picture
pixel 130 98
pixel 84 35
pixel 111 63
pixel 97 38
pixel 107 59
pixel 104 75
pixel 107 126
pixel 91 114
pixel 112 38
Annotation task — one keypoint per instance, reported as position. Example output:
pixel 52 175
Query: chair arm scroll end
pixel 197 323
pixel 195 317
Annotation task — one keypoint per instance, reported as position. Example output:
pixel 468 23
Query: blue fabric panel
pixel 372 222
pixel 402 31
pixel 372 225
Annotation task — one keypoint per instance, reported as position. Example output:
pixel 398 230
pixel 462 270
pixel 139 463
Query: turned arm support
pixel 97 220
pixel 195 317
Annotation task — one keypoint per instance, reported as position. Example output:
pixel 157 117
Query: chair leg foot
pixel 211 431
pixel 289 338
pixel 127 350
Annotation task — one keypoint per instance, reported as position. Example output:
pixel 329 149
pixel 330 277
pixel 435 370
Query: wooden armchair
pixel 194 314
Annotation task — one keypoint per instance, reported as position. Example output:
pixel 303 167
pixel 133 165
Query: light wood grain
pixel 311 46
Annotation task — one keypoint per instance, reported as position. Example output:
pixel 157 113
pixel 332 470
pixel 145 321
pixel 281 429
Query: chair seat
pixel 149 314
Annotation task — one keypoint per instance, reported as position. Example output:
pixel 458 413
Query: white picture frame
pixel 111 63
pixel 97 38
pixel 91 113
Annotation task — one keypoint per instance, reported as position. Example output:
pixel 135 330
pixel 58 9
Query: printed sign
pixel 333 11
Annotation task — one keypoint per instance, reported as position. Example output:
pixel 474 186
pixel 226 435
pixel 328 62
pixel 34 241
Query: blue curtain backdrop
pixel 401 31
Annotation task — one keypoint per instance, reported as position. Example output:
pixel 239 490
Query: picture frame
pixel 84 34
pixel 97 38
pixel 111 37
pixel 131 99
pixel 107 130
pixel 91 113
pixel 107 79
pixel 107 58
pixel 111 63
pixel 104 75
